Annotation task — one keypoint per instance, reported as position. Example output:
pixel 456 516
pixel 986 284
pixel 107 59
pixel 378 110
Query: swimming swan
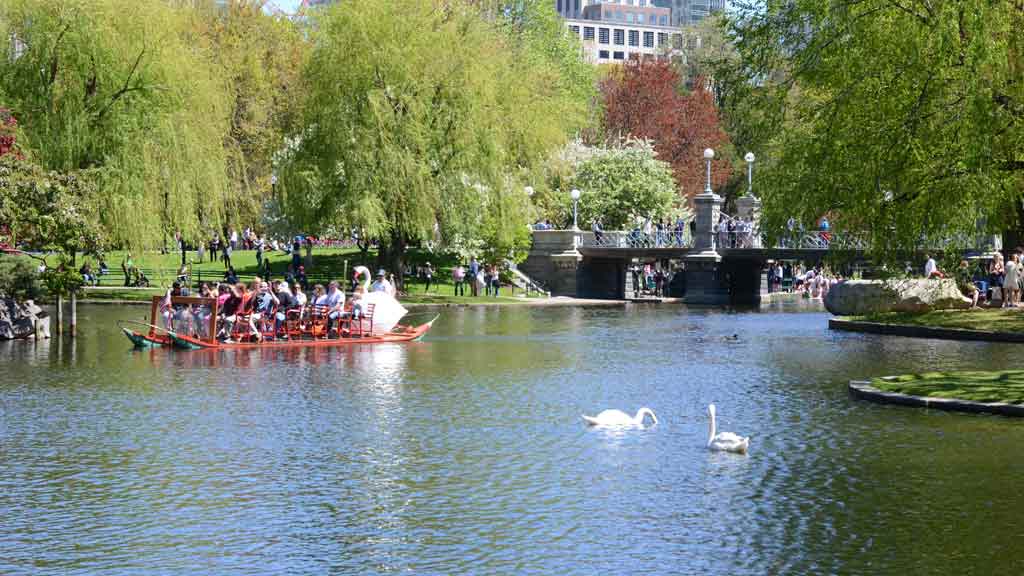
pixel 725 441
pixel 618 418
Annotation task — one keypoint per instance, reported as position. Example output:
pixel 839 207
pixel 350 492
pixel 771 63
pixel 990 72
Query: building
pixel 690 12
pixel 630 13
pixel 616 41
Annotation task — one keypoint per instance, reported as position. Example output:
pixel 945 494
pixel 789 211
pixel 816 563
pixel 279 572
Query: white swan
pixel 618 418
pixel 387 311
pixel 725 441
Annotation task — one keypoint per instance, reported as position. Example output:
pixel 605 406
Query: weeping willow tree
pixel 903 121
pixel 423 120
pixel 123 91
pixel 260 55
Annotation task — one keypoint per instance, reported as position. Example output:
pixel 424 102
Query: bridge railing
pixel 819 240
pixel 636 239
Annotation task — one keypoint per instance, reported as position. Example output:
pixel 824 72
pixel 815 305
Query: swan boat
pixel 199 331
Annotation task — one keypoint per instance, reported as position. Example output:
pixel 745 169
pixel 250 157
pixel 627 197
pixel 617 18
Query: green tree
pixel 260 55
pixel 624 184
pixel 423 120
pixel 904 121
pixel 125 90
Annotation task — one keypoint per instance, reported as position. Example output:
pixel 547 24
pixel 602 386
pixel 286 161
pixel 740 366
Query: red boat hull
pixel 171 339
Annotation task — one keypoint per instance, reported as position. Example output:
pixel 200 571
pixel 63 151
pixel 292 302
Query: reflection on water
pixel 466 454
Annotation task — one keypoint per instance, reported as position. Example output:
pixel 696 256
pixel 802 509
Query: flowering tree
pixel 645 100
pixel 8 133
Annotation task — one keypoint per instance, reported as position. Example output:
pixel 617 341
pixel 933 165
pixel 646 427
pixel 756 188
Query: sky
pixel 287 5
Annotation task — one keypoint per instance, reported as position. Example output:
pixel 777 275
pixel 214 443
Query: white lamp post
pixel 750 173
pixel 575 195
pixel 708 155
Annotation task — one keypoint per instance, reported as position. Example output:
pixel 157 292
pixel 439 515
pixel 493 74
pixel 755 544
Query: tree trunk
pixel 60 314
pixel 391 257
pixel 74 314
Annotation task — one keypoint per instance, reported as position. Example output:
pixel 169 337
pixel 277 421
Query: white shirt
pixel 929 267
pixel 381 285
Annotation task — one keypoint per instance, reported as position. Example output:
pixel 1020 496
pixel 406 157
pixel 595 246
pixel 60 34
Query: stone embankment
pixel 22 320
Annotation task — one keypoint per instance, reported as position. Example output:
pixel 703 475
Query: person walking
pixel 428 276
pixel 459 279
pixel 474 271
pixel 1010 282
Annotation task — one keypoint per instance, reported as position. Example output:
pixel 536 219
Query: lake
pixel 466 454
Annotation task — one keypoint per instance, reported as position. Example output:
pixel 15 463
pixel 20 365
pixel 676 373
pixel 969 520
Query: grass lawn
pixel 986 319
pixel 328 264
pixel 1006 386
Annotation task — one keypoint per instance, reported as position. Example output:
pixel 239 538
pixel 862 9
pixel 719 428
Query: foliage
pixel 8 133
pixel 49 210
pixel 904 121
pixel 126 91
pixel 646 101
pixel 421 119
pixel 260 56
pixel 621 185
pixel 19 278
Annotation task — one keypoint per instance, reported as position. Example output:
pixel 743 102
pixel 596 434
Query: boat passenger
pixel 382 284
pixel 357 303
pixel 202 312
pixel 334 301
pixel 229 312
pixel 285 304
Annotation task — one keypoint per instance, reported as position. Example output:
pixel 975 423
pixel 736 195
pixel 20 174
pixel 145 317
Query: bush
pixel 19 278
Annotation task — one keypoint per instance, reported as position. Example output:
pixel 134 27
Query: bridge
pixel 711 267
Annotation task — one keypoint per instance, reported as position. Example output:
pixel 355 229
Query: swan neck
pixel 711 426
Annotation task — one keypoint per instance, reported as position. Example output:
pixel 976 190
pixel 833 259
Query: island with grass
pixel 991 324
pixel 999 392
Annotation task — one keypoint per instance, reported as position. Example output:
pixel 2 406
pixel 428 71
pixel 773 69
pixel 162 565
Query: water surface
pixel 465 453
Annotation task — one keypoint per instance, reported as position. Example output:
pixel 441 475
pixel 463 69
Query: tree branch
pixel 124 89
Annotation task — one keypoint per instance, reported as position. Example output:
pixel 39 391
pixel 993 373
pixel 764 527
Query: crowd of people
pixel 271 309
pixel 812 282
pixel 477 275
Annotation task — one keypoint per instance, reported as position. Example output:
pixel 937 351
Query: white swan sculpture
pixel 387 311
pixel 619 419
pixel 725 441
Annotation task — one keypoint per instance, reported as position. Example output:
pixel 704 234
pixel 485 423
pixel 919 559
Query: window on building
pixel 640 18
pixel 559 6
pixel 634 37
pixel 663 20
pixel 662 39
pixel 619 56
pixel 677 41
pixel 620 37
pixel 602 54
pixel 630 2
pixel 602 35
pixel 630 17
pixel 588 32
pixel 575 30
pixel 619 16
pixel 648 39
pixel 643 3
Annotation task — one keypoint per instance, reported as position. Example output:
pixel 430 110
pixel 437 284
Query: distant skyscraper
pixel 688 12
pixel 684 12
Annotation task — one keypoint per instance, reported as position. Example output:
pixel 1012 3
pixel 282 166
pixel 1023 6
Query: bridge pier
pixel 705 283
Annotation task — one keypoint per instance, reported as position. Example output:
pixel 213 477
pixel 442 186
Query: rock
pixel 19 320
pixel 863 297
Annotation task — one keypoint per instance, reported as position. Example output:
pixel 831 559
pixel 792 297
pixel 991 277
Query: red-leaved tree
pixel 645 100
pixel 8 133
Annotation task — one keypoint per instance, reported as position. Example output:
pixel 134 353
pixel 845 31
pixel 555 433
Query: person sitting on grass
pixel 965 282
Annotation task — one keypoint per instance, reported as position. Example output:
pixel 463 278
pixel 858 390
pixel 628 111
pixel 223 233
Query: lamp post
pixel 575 195
pixel 273 186
pixel 708 155
pixel 750 173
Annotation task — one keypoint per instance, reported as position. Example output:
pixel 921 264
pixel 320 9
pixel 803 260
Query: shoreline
pixel 533 302
pixel 912 331
pixel 863 390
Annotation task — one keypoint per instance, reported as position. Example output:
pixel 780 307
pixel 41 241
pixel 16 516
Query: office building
pixel 690 12
pixel 618 40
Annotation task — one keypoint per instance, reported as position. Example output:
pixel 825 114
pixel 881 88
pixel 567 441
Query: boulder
pixel 19 320
pixel 863 297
